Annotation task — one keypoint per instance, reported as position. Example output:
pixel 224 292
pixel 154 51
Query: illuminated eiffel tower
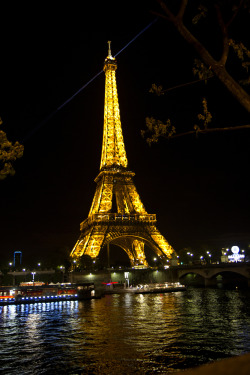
pixel 117 215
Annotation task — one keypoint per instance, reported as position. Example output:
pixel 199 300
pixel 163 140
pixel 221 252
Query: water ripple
pixel 141 334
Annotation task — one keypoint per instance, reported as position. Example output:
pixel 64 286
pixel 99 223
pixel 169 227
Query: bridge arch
pixel 231 278
pixel 192 279
pixel 215 276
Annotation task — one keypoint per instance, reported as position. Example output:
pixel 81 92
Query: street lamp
pixel 33 277
pixel 190 254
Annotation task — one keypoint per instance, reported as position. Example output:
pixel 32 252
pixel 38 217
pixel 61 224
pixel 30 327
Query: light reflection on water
pixel 125 334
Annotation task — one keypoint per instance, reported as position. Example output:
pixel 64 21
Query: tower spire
pixel 109 50
pixel 113 149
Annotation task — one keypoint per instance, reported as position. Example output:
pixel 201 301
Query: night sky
pixel 198 187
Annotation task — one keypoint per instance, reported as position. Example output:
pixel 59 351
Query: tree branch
pixel 183 7
pixel 225 42
pixel 236 12
pixel 160 15
pixel 170 15
pixel 216 66
pixel 210 130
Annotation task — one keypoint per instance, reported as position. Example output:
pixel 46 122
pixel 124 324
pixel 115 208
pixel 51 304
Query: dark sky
pixel 199 188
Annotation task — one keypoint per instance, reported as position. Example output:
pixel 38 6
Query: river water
pixel 125 334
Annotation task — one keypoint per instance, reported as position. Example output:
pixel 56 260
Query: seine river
pixel 125 334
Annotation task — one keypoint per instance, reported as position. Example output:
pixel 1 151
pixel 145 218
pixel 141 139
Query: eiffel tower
pixel 117 215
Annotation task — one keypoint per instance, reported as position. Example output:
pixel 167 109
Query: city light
pixel 236 257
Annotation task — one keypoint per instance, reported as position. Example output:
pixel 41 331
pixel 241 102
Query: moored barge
pixel 160 288
pixel 39 292
pixel 115 288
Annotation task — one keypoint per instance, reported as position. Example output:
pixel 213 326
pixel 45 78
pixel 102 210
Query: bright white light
pixel 236 256
pixel 235 249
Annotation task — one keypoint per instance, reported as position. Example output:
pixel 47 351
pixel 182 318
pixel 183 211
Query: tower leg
pixel 140 259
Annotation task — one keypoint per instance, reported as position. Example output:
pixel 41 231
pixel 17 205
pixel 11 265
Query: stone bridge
pixel 210 271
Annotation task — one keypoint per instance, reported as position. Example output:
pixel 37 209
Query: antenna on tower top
pixel 109 50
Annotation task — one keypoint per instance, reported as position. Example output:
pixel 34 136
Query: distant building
pixel 17 258
pixel 224 259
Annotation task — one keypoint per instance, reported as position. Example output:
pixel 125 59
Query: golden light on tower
pixel 113 149
pixel 117 214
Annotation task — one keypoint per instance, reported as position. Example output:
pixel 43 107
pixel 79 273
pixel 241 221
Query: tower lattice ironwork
pixel 117 215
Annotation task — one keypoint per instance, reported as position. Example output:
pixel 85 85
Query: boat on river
pixel 159 288
pixel 115 288
pixel 34 292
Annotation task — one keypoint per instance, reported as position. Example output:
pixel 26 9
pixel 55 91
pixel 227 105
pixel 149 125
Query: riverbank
pixel 239 365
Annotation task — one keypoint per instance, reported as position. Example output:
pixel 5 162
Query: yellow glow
pixel 130 226
pixel 139 253
pixel 113 149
